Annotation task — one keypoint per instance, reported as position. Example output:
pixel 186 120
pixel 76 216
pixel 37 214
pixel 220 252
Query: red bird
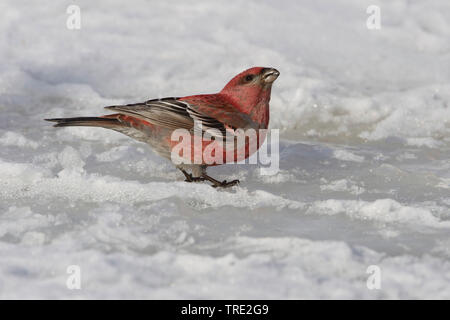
pixel 242 104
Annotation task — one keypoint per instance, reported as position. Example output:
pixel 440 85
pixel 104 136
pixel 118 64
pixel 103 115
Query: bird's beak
pixel 269 75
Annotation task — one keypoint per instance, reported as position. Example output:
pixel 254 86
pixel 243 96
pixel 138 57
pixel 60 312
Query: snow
pixel 380 210
pixel 345 155
pixel 364 175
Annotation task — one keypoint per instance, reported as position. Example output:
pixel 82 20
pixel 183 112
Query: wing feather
pixel 165 112
pixel 195 112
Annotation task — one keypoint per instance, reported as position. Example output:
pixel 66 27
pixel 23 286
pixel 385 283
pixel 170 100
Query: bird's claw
pixel 225 184
pixel 190 178
pixel 195 179
pixel 204 177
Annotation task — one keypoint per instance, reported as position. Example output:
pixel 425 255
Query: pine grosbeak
pixel 242 104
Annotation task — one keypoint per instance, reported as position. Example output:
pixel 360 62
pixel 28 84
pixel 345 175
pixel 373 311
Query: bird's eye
pixel 249 78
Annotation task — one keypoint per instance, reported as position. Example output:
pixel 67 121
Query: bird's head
pixel 251 86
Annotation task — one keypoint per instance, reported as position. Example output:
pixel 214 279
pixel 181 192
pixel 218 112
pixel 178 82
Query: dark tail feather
pixel 85 121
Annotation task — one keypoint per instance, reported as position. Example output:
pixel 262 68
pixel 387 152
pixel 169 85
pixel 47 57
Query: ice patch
pixel 423 142
pixel 16 221
pixel 345 155
pixel 26 173
pixel 72 185
pixel 114 154
pixel 70 159
pixel 342 185
pixel 264 268
pixel 11 138
pixel 444 183
pixel 282 176
pixel 382 210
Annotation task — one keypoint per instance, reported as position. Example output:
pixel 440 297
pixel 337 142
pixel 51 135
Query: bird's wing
pixel 189 113
pixel 210 109
pixel 166 112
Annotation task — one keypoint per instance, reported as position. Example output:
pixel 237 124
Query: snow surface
pixel 364 176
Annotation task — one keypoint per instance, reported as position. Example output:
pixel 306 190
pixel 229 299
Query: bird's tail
pixel 85 121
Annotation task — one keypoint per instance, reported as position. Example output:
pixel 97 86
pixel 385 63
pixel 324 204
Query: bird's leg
pixel 190 178
pixel 217 183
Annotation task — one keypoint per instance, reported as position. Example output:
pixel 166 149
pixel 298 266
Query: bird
pixel 243 104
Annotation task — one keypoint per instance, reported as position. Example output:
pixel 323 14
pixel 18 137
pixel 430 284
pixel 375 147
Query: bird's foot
pixel 225 184
pixel 194 179
pixel 205 177
pixel 219 184
pixel 190 178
